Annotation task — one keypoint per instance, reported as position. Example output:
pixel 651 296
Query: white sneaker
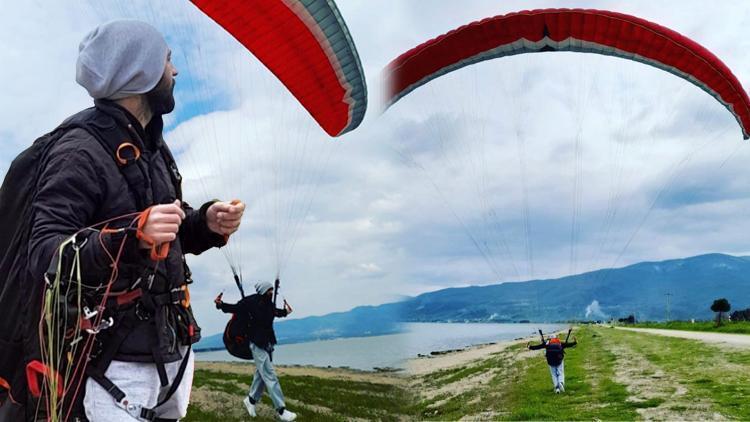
pixel 562 387
pixel 287 415
pixel 250 407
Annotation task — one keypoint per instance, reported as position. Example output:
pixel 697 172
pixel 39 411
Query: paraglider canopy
pixel 577 30
pixel 308 47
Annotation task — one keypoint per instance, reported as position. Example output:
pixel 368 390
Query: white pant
pixel 140 382
pixel 558 375
pixel 265 378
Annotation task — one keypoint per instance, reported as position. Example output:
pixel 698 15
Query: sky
pixel 534 166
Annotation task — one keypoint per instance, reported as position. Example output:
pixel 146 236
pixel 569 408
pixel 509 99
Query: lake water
pixel 392 350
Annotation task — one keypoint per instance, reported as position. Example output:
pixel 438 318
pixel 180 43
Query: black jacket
pixel 256 312
pixel 81 185
pixel 554 352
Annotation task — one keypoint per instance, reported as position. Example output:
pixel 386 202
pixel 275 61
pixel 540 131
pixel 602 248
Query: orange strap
pixel 36 369
pixel 186 302
pixel 158 252
pixel 5 385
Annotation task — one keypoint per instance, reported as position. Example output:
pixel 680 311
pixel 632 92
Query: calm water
pixel 391 350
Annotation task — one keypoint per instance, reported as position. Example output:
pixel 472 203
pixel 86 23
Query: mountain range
pixel 675 289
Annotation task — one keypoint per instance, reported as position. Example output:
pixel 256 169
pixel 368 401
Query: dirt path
pixel 741 340
pixel 646 382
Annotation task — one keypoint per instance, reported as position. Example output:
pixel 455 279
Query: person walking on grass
pixel 258 312
pixel 554 351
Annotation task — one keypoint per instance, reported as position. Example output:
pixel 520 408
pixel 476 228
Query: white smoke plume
pixel 594 311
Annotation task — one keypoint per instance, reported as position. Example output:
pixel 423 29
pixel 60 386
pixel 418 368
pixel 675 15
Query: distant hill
pixel 636 289
pixel 358 322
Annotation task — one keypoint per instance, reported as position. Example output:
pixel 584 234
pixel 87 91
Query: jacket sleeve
pixel 566 345
pixel 281 313
pixel 229 308
pixel 537 346
pixel 195 236
pixel 69 193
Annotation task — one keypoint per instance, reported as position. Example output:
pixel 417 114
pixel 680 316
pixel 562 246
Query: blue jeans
pixel 558 374
pixel 265 378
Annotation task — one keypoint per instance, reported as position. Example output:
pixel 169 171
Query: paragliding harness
pixel 236 336
pixel 236 339
pixel 554 351
pixel 123 311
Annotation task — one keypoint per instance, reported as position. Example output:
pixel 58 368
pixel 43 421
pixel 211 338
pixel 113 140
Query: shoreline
pixel 437 361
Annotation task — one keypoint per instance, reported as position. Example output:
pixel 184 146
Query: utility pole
pixel 668 295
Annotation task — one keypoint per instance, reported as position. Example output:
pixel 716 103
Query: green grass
pixel 719 376
pixel 738 327
pixel 322 399
pixel 591 391
pixel 521 389
pixel 513 385
pixel 711 380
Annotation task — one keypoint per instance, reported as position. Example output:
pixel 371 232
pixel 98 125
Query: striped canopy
pixel 580 30
pixel 307 45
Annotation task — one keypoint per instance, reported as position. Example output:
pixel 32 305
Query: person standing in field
pixel 554 351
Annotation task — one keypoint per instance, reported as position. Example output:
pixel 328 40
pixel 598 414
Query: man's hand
pixel 218 300
pixel 287 307
pixel 162 224
pixel 224 218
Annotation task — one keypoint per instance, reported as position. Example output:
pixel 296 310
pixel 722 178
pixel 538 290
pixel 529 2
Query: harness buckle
pixel 76 246
pixel 88 313
pixel 136 153
pixel 140 313
pixel 137 411
pixel 103 325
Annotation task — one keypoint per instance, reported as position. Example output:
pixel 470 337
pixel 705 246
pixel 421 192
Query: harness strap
pixel 177 379
pixel 113 139
pixel 174 173
pixel 160 366
pixel 177 296
pixel 36 369
pixel 128 298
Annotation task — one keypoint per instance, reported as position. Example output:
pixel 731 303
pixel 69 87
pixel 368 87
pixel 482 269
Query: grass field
pixel 314 394
pixel 611 375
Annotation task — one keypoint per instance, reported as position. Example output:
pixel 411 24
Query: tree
pixel 720 306
pixel 629 320
pixel 743 315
